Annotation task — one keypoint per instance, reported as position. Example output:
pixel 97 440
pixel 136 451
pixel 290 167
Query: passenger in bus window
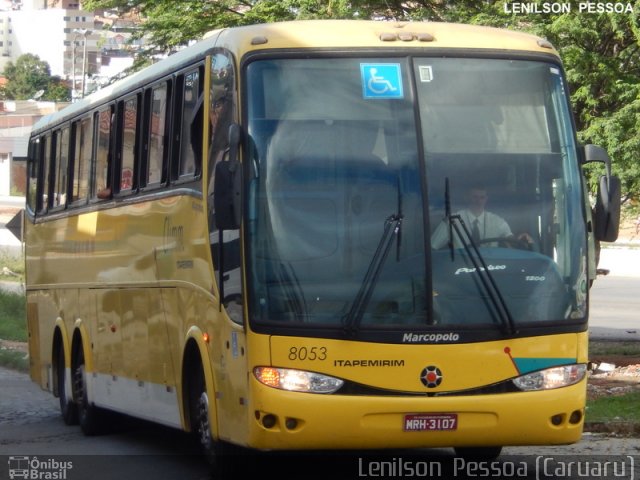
pixel 486 228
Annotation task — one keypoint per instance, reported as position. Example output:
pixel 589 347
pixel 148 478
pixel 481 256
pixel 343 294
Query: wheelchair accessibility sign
pixel 381 80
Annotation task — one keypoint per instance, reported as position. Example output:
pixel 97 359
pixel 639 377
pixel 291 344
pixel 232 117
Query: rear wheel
pixel 89 416
pixel 68 407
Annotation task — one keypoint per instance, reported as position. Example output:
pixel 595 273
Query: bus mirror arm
pixel 594 153
pixel 234 142
pixel 235 139
pixel 227 187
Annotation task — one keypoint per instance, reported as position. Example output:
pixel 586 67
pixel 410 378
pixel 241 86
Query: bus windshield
pixel 380 189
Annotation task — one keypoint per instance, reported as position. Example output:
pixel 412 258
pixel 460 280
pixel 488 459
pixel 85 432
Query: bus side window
pixel 127 143
pixel 101 179
pixel 155 135
pixel 81 161
pixel 33 169
pixel 61 167
pixel 222 108
pixel 225 244
pixel 46 173
pixel 188 124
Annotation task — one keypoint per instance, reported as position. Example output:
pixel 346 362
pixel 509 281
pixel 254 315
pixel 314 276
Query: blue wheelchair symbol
pixel 381 80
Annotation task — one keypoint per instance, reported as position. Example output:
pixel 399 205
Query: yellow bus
pixel 265 239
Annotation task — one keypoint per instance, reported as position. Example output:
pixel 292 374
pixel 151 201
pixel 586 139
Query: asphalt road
pixel 615 298
pixel 31 427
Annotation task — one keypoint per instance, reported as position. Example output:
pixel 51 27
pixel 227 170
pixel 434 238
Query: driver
pixel 481 223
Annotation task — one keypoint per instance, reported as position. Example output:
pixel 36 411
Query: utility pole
pixel 84 32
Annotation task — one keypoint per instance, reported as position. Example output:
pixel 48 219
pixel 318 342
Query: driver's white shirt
pixel 489 224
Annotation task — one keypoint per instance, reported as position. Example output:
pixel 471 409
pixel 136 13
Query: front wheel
pixel 221 456
pixel 203 427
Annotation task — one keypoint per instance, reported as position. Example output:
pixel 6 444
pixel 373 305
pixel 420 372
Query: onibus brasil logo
pixel 33 468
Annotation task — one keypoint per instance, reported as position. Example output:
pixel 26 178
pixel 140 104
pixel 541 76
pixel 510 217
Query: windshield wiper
pixel 487 281
pixel 293 290
pixel 353 318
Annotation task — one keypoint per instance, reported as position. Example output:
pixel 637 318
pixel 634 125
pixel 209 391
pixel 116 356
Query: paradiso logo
pixel 431 376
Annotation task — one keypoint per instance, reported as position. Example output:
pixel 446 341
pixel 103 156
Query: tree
pixel 28 77
pixel 600 50
pixel 602 59
pixel 169 25
pixel 57 91
pixel 601 56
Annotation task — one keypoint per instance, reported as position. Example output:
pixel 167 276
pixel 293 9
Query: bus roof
pixel 372 33
pixel 307 34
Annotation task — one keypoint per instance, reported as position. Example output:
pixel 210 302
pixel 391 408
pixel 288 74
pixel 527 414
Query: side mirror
pixel 607 211
pixel 227 186
pixel 606 216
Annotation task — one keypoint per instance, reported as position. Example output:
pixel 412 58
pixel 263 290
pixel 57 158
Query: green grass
pixel 623 408
pixel 600 348
pixel 14 359
pixel 614 411
pixel 13 323
pixel 14 263
pixel 13 326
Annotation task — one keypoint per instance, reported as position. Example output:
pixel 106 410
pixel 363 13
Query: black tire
pixel 478 453
pixel 221 456
pixel 68 408
pixel 89 416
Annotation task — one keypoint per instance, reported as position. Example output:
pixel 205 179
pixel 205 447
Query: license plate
pixel 420 422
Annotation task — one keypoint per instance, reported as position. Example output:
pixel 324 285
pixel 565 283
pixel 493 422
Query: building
pixel 66 38
pixel 16 120
pixel 84 48
pixel 73 42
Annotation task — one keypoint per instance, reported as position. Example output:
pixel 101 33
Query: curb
pixel 614 429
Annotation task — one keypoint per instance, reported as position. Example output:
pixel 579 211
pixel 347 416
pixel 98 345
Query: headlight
pixel 297 380
pixel 550 378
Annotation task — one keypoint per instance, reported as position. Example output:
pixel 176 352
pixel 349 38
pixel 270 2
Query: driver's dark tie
pixel 475 232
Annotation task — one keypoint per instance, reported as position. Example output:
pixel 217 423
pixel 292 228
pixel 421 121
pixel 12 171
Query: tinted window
pixel 33 168
pixel 157 135
pixel 103 152
pixel 46 155
pixel 62 165
pixel 189 121
pixel 129 126
pixel 82 163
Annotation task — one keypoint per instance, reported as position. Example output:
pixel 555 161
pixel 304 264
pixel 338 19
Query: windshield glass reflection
pixel 334 154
